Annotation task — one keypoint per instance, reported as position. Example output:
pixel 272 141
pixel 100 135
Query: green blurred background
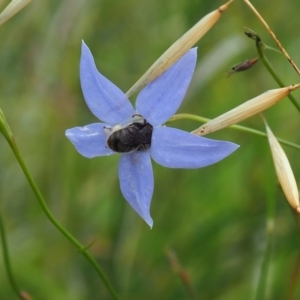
pixel 214 218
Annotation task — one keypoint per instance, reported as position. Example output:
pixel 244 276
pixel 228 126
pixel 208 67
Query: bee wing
pixel 145 134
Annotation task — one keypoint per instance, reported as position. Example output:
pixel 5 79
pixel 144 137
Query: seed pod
pixel 11 9
pixel 284 171
pixel 179 48
pixel 246 110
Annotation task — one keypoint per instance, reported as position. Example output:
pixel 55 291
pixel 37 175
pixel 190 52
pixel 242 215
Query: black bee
pixel 133 137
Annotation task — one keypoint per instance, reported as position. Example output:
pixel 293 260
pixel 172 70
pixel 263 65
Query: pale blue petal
pixel 174 148
pixel 105 100
pixel 90 140
pixel 136 181
pixel 161 98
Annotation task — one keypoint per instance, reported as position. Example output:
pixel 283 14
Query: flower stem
pixel 261 47
pixel 238 127
pixel 277 79
pixel 263 276
pixel 294 278
pixel 4 128
pixel 261 291
pixel 273 36
pixel 6 260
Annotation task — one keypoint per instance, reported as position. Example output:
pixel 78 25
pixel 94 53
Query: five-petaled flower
pixel 155 104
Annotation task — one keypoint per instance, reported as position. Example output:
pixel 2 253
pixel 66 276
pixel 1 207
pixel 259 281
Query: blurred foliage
pixel 213 218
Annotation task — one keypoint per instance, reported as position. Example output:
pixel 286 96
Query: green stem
pixel 7 264
pixel 262 284
pixel 4 128
pixel 260 47
pixel 294 278
pixel 263 277
pixel 238 127
pixel 261 291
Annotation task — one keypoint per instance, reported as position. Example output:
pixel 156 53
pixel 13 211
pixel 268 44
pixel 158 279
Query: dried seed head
pixel 246 110
pixel 247 64
pixel 284 171
pixel 179 48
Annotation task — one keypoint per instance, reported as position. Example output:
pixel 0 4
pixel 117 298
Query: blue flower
pixel 142 129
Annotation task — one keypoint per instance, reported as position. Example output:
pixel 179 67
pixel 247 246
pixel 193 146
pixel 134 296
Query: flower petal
pixel 90 140
pixel 174 148
pixel 161 98
pixel 105 100
pixel 136 181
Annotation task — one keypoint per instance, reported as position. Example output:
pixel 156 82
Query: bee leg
pixel 107 130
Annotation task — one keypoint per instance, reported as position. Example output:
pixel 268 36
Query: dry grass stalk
pixel 273 35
